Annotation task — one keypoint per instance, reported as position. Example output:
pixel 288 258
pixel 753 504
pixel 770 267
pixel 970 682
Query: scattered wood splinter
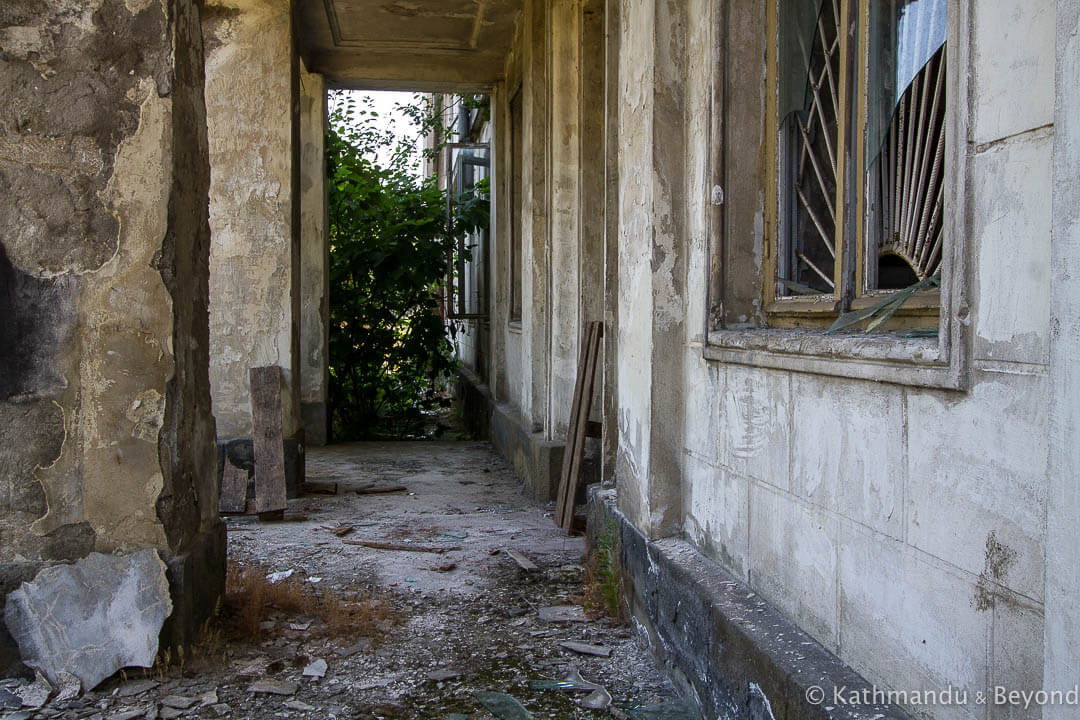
pixel 523 562
pixel 402 546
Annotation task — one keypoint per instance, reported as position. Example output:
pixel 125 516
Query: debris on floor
pixel 676 710
pixel 502 706
pixel 563 614
pixel 586 649
pixel 393 635
pixel 522 561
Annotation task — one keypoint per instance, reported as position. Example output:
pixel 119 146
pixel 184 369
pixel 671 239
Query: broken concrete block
pixel 273 687
pixel 68 687
pixel 92 617
pixel 563 613
pixel 316 669
pixel 586 649
pixel 178 702
pixel 300 706
pixel 9 700
pixel 136 687
pixel 37 693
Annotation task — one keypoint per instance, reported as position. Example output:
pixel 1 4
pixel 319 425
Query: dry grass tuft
pixel 251 599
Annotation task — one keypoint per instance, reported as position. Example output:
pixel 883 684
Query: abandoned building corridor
pixel 819 258
pixel 490 601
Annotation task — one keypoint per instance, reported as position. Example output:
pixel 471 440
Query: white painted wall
pixel 903 526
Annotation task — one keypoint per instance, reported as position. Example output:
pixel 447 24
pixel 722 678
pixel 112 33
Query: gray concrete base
pixel 314 418
pixel 241 453
pixel 727 649
pixel 197 584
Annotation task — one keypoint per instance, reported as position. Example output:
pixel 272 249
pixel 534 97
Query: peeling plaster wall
pixel 505 377
pixel 253 118
pixel 565 217
pixel 314 259
pixel 556 63
pixel 902 526
pixel 1062 627
pixel 107 442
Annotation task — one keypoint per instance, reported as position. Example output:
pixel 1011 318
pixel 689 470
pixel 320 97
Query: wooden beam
pixel 267 439
pixel 579 423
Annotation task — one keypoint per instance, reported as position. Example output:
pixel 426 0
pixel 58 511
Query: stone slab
pixel 92 617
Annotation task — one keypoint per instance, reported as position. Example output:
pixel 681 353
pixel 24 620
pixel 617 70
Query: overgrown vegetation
pixel 603 585
pixel 390 358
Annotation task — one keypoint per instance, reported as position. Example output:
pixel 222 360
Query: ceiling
pixel 431 45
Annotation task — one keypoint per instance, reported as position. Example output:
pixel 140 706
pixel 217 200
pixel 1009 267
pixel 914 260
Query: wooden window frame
pixel 766 331
pixel 515 186
pixel 850 241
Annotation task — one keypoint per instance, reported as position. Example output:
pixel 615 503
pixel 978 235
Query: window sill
pixel 883 357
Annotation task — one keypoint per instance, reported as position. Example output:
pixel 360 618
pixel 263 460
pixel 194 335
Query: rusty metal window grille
pixel 879 95
pixel 906 168
pixel 809 154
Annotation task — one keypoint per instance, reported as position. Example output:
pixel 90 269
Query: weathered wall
pixel 651 261
pixel 106 440
pixel 1062 627
pixel 314 259
pixel 901 526
pixel 253 118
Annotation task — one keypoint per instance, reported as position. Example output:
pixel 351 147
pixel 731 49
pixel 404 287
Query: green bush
pixel 390 359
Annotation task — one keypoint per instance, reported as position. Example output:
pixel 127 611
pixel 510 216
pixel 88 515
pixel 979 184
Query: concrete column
pixel 106 439
pixel 314 259
pixel 1062 615
pixel 577 195
pixel 252 99
pixel 535 231
pixel 652 272
pixel 565 219
pixel 611 238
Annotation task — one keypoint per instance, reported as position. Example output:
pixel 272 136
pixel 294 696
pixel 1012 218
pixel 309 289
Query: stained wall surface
pixel 255 277
pixel 106 436
pixel 898 517
pixel 314 259
pixel 104 249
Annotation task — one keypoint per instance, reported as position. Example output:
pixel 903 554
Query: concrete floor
pixel 470 617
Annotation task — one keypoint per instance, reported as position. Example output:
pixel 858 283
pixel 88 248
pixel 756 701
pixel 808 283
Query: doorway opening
pixel 408 209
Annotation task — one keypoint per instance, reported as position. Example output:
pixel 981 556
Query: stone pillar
pixel 1062 616
pixel 612 38
pixel 252 103
pixel 565 203
pixel 314 259
pixel 536 228
pixel 652 264
pixel 106 440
